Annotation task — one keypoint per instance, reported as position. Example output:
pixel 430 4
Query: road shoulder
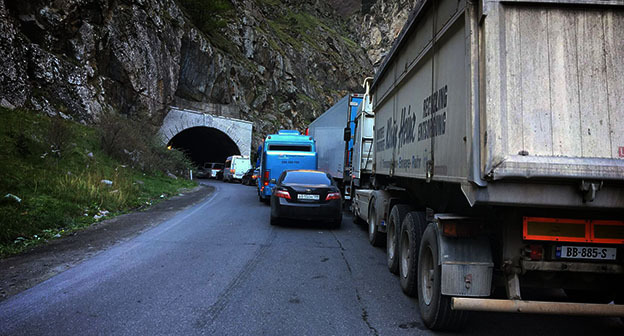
pixel 26 270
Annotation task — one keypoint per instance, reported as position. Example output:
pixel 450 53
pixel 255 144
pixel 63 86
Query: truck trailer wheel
pixel 397 215
pixel 409 237
pixel 375 237
pixel 435 308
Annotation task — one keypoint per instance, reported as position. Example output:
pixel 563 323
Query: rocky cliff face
pixel 276 63
pixel 380 24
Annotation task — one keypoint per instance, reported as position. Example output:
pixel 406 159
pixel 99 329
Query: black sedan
pixel 306 195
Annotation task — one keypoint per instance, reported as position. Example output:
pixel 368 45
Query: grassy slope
pixel 56 168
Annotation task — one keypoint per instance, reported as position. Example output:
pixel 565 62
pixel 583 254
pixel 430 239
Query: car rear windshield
pixel 310 178
pixel 291 148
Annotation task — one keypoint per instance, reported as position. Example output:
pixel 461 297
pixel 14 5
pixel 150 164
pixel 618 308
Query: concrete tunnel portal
pixel 204 144
pixel 205 137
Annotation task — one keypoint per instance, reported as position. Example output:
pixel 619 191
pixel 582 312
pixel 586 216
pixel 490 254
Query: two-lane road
pixel 219 268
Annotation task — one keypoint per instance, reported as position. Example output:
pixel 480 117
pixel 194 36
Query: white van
pixel 235 167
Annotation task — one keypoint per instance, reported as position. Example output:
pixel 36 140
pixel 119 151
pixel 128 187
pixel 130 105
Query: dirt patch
pixel 23 271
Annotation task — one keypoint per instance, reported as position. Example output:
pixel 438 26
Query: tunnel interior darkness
pixel 204 144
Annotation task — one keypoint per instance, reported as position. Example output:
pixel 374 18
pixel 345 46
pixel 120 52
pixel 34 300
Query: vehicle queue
pixel 286 177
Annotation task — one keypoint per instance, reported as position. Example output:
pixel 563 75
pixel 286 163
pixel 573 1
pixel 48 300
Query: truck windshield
pixel 291 148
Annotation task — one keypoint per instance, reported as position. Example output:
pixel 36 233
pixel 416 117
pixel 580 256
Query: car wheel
pixel 337 222
pixel 375 237
pixel 274 220
pixel 397 215
pixel 435 308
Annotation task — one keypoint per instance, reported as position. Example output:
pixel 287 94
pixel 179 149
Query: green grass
pixel 56 168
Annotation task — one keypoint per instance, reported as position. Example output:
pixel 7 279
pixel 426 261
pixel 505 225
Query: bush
pixel 133 141
pixel 59 135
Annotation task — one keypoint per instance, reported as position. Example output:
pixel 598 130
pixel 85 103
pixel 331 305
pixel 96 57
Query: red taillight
pixel 332 196
pixel 536 252
pixel 267 174
pixel 232 171
pixel 282 194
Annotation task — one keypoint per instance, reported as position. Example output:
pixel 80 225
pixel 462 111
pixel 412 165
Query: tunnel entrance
pixel 204 144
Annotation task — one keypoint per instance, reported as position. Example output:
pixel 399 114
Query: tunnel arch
pixel 204 144
pixel 185 129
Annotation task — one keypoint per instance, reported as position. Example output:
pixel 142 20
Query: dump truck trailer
pixel 499 157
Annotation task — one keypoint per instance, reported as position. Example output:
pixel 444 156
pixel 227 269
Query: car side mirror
pixel 347 134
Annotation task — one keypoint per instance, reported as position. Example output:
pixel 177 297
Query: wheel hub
pixel 391 244
pixel 427 274
pixel 405 255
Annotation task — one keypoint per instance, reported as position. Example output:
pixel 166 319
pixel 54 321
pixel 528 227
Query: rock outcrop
pixel 380 25
pixel 277 63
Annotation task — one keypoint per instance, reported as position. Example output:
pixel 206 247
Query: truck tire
pixel 375 237
pixel 435 308
pixel 409 237
pixel 397 215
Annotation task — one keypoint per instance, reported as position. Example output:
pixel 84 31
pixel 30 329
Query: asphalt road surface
pixel 219 268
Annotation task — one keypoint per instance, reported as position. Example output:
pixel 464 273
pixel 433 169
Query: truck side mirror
pixel 347 134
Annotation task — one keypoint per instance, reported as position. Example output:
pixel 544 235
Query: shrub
pixel 59 135
pixel 133 141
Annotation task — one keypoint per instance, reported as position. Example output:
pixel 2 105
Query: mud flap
pixel 466 266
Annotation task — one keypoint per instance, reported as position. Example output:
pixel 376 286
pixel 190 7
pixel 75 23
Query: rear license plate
pixel 585 252
pixel 308 197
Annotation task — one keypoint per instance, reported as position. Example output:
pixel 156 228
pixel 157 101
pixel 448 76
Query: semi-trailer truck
pixel 333 132
pixel 499 157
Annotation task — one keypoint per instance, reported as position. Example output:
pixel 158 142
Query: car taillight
pixel 267 174
pixel 332 196
pixel 232 171
pixel 282 194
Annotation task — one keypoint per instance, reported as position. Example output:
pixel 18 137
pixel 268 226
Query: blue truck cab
pixel 286 150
